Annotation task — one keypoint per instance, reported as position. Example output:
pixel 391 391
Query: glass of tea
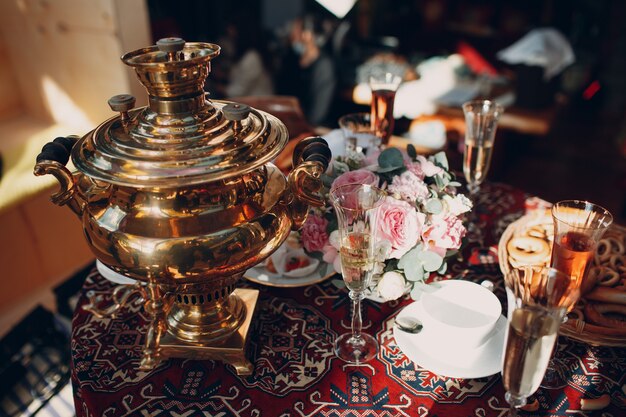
pixel 384 86
pixel 356 207
pixel 538 299
pixel 481 121
pixel 578 227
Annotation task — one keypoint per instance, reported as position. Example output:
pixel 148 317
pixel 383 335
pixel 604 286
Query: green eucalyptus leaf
pixel 327 180
pixel 442 270
pixel 439 182
pixel 454 184
pixel 390 159
pixel 338 283
pixel 434 206
pixel 409 257
pixel 416 291
pixel 431 260
pixel 441 160
pixel 414 272
pixel 340 168
pixel 411 151
pixel 391 265
pixel 333 225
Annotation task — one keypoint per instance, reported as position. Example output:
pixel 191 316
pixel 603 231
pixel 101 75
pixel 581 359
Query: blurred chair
pixel 289 111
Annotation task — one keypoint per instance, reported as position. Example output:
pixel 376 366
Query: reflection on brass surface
pixel 182 196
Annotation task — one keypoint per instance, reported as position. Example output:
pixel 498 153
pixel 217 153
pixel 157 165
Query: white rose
pixel 458 204
pixel 382 250
pixel 334 239
pixel 391 286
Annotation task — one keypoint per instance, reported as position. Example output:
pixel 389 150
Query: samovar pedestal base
pixel 231 351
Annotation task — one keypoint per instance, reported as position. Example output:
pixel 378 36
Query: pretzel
pixel 607 277
pixel 590 404
pixel 607 295
pixel 595 314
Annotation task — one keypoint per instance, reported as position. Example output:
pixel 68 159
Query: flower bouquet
pixel 419 224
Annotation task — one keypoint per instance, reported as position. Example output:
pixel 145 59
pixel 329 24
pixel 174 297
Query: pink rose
pixel 399 223
pixel 331 256
pixel 359 176
pixel 443 233
pixel 314 236
pixel 409 187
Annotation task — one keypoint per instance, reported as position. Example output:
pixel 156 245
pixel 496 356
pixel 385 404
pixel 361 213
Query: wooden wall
pixel 64 55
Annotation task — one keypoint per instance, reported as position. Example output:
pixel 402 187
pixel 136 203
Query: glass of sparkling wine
pixel 578 227
pixel 356 207
pixel 481 121
pixel 384 86
pixel 538 299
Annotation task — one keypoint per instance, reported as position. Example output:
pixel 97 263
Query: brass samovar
pixel 182 196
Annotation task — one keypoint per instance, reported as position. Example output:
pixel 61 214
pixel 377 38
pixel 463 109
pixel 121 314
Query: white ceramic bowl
pixel 460 312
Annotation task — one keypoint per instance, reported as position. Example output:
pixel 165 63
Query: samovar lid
pixel 181 138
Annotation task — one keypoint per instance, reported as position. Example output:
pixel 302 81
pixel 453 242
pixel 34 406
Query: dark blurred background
pixel 583 153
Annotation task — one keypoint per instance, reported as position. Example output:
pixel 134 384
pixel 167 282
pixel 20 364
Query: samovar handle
pixel 311 157
pixel 119 298
pixel 51 160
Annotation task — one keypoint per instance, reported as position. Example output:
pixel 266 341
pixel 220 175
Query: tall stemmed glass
pixel 578 227
pixel 538 299
pixel 481 121
pixel 384 86
pixel 356 207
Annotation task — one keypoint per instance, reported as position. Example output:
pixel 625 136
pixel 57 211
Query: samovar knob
pixel 122 103
pixel 171 46
pixel 236 112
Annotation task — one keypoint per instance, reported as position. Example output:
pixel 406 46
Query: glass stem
pixel 515 403
pixel 357 321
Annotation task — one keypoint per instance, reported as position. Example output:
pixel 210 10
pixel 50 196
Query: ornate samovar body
pixel 182 196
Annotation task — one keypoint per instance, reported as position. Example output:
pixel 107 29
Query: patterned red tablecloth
pixel 296 373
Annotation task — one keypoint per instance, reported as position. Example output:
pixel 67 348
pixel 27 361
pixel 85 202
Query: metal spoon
pixel 408 325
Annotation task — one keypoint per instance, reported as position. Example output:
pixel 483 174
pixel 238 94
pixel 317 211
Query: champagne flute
pixel 356 207
pixel 538 299
pixel 578 227
pixel 384 86
pixel 481 121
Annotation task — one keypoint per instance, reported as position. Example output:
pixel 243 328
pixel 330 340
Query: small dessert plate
pixel 458 360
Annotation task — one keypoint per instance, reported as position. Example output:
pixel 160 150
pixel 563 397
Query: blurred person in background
pixel 249 71
pixel 308 70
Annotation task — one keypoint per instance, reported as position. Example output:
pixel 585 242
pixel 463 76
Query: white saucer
pixel 261 275
pixel 485 360
pixel 113 276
